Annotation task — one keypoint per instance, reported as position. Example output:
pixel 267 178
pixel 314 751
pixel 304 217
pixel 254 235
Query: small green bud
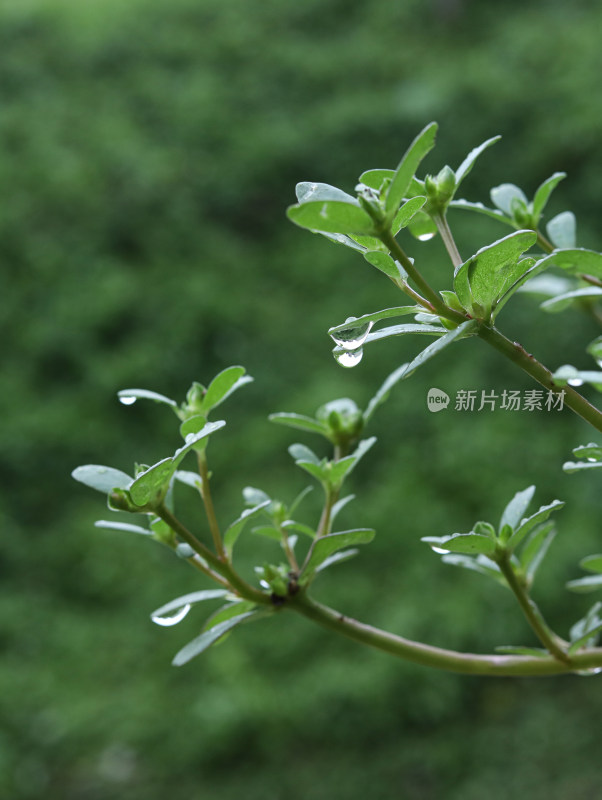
pixel 520 213
pixel 446 184
pixel 194 402
pixel 430 184
pixel 344 419
pixel 120 500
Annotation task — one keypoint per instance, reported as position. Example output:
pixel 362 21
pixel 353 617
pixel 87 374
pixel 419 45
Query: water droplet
pixel 587 672
pixel 440 550
pixel 172 619
pixel 354 336
pixel 425 237
pixel 127 400
pixel 349 358
pixel 575 382
pixel 599 362
pixel 592 460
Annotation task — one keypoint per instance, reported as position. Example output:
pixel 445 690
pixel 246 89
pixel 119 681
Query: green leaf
pixel 386 313
pixel 480 564
pixel 300 422
pixel 291 525
pixel 166 614
pixel 542 195
pixel 592 563
pixel 129 396
pixel 462 331
pixel 193 439
pixel 548 285
pixel 505 197
pixel 584 633
pixel 509 649
pixel 192 425
pixel 337 558
pixel 595 348
pixel 232 609
pixel 406 213
pixel 254 497
pixel 236 528
pixel 318 471
pixel 584 585
pixel 307 191
pixel 572 466
pixel 268 531
pixel 401 180
pixel 342 469
pixel 340 505
pixel 299 499
pixel 589 451
pixel 302 453
pixel 385 263
pixel 588 639
pixel 222 386
pixel 151 485
pixel 487 275
pixel 402 330
pixel 562 230
pixel 562 301
pixel 516 508
pixel 325 546
pixel 578 260
pixel 332 216
pixel 207 638
pixel 374 178
pixel 122 526
pixel 482 209
pixel 576 377
pixel 103 479
pixel 192 479
pixel 465 543
pixel 468 163
pixel 535 549
pixel 531 522
pixel 383 392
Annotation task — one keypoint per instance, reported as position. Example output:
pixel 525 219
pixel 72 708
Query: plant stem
pixel 234 580
pixel 209 507
pixel 429 293
pixel 546 636
pixel 450 660
pixel 447 238
pixel 517 353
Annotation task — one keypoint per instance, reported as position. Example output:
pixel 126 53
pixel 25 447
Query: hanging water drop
pixel 127 399
pixel 171 619
pixel 440 550
pixel 354 336
pixel 425 237
pixel 349 358
pixel 575 382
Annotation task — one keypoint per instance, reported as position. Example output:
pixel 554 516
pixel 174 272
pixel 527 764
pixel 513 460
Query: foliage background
pixel 147 153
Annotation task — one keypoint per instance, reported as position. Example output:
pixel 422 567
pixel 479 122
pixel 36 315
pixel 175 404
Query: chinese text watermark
pixel 490 400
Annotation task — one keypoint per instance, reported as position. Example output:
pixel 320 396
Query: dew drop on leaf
pixel 425 237
pixel 127 400
pixel 172 619
pixel 349 358
pixel 575 382
pixel 354 336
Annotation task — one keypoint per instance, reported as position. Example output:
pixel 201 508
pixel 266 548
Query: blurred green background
pixel 148 151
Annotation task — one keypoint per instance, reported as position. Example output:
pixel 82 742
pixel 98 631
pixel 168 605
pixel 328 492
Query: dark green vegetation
pixel 146 157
